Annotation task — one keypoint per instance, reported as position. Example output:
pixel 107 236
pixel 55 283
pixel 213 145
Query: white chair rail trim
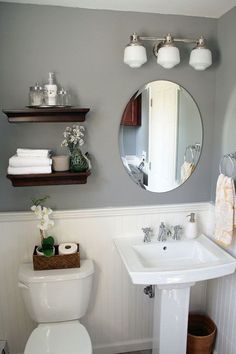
pixel 111 211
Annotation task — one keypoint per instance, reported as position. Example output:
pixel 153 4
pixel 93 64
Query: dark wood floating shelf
pixel 47 115
pixel 49 179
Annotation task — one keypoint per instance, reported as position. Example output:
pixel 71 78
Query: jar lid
pixel 36 87
pixel 62 91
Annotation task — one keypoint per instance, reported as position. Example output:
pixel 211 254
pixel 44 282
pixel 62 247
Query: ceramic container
pixel 61 163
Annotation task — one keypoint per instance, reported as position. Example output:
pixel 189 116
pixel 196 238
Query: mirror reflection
pixel 160 136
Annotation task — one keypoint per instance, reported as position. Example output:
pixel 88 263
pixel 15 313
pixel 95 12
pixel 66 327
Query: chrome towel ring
pixel 223 165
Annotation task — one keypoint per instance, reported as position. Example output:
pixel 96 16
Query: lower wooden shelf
pixel 48 179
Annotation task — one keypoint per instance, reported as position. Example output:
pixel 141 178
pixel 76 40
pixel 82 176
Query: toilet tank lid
pixel 28 275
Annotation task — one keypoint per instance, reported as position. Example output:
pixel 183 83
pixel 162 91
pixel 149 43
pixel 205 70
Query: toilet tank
pixel 56 295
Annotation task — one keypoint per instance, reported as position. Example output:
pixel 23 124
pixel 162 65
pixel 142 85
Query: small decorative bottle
pixel 191 227
pixel 50 91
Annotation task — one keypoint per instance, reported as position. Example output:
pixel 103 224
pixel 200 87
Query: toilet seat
pixel 59 338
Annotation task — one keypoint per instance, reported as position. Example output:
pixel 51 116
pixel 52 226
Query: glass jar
pixel 36 95
pixel 63 98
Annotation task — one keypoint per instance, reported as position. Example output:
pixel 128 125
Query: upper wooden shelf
pixel 47 115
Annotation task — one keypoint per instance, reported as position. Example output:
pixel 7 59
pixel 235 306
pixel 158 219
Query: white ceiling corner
pixel 203 8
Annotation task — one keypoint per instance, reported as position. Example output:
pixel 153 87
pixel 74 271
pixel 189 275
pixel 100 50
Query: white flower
pixel 73 136
pixel 37 210
pixel 46 211
pixel 45 224
pixel 42 213
pixel 64 143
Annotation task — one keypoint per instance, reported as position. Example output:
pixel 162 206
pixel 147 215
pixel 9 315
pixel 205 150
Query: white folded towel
pixel 29 170
pixel 33 152
pixel 29 161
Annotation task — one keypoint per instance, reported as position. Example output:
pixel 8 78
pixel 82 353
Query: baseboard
pixel 123 347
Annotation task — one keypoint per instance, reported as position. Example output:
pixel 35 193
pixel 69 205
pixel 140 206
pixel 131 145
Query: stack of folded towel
pixel 30 161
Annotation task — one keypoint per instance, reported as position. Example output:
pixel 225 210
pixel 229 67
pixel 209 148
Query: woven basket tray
pixel 57 261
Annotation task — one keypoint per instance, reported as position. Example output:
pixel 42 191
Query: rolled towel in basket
pixel 29 161
pixel 29 170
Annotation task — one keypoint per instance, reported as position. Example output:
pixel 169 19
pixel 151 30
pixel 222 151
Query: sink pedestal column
pixel 171 310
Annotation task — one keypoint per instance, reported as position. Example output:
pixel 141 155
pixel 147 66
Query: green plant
pixel 47 246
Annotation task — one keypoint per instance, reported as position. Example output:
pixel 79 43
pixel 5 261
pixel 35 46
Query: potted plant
pixel 43 215
pixel 74 139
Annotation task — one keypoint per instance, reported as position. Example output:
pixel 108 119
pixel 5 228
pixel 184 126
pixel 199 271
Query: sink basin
pixel 173 267
pixel 174 262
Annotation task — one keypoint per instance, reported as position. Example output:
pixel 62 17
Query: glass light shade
pixel 200 58
pixel 135 56
pixel 168 57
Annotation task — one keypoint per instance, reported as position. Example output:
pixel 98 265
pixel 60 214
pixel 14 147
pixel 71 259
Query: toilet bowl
pixel 56 300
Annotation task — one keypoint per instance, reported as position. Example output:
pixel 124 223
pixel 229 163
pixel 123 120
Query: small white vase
pixel 40 253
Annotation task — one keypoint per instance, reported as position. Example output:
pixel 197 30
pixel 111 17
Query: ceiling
pixel 204 8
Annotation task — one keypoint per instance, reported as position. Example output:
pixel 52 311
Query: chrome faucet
pixel 147 234
pixel 163 233
pixel 177 232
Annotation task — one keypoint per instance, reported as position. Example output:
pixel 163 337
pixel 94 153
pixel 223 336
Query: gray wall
pixel 85 48
pixel 225 107
pixel 127 140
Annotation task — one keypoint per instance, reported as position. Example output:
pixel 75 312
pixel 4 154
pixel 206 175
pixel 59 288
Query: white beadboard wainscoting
pixel 221 305
pixel 120 315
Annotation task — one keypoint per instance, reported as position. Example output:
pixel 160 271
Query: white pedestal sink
pixel 173 267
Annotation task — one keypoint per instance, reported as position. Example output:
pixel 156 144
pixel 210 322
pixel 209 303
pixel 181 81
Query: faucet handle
pixel 177 232
pixel 147 234
pixel 164 232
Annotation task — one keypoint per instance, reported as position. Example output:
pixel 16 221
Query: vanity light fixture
pixel 135 54
pixel 167 52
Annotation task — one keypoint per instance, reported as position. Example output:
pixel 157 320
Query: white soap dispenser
pixel 51 90
pixel 191 227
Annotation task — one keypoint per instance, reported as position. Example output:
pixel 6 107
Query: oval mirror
pixel 160 136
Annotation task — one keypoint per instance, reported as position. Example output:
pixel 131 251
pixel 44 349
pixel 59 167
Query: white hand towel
pixel 29 161
pixel 33 152
pixel 225 208
pixel 29 170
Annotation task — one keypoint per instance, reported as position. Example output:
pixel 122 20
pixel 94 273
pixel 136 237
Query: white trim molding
pixel 111 211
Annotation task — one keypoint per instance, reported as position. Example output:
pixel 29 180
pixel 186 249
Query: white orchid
pixel 45 224
pixel 42 213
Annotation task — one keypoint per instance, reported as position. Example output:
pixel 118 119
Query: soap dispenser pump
pixel 191 227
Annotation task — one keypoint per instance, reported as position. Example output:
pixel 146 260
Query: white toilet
pixel 56 299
